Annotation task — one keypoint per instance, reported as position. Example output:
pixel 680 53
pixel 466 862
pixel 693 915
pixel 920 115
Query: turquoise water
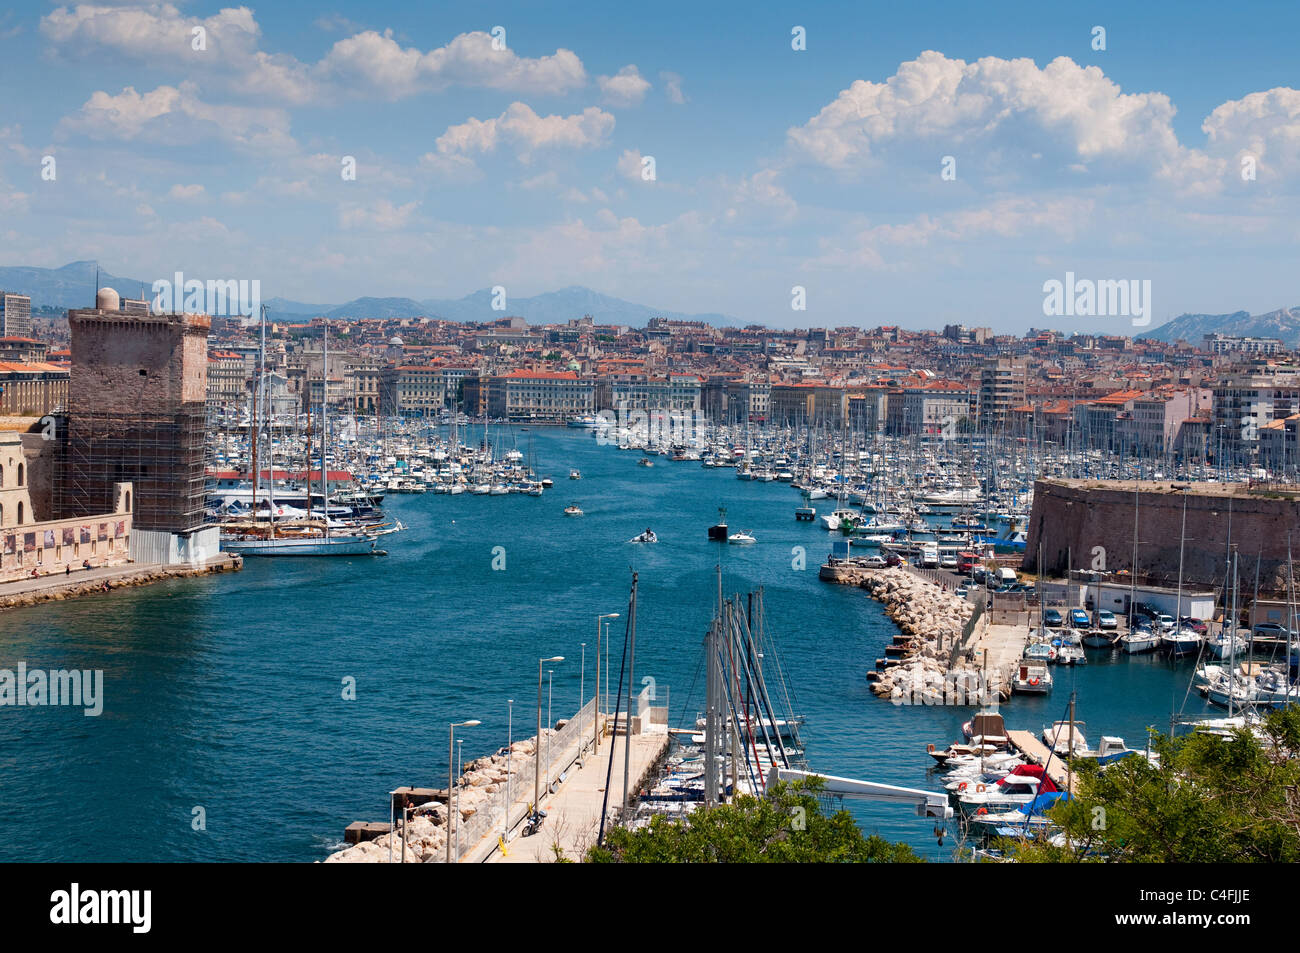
pixel 225 693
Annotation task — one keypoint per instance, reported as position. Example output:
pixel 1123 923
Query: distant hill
pixel 1283 324
pixel 73 286
pixel 556 307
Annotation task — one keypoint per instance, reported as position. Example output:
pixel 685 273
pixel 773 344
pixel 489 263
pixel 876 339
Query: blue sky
pixel 521 166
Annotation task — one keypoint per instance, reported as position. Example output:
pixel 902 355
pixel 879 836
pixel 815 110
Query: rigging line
pixel 609 770
pixel 699 664
pixel 1051 753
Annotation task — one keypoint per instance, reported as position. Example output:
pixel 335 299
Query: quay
pixel 996 648
pixel 55 587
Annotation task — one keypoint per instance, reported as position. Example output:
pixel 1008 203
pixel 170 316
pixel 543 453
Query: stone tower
pixel 136 413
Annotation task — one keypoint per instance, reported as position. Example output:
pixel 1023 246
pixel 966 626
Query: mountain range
pixel 1284 324
pixel 73 286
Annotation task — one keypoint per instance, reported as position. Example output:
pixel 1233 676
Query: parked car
pixel 1106 620
pixel 1196 625
pixel 876 561
pixel 1165 622
pixel 1052 619
pixel 1146 611
pixel 1271 630
pixel 893 559
pixel 1079 619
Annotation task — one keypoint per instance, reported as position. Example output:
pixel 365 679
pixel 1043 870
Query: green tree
pixel 786 826
pixel 1210 799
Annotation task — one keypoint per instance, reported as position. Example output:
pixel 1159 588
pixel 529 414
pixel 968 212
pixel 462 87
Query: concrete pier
pixel 573 812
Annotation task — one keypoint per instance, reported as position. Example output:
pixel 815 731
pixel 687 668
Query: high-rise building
pixel 1002 389
pixel 15 315
pixel 136 409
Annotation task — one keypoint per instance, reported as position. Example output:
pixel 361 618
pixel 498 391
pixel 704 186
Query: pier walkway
pixel 573 812
pixel 1004 645
pixel 1034 750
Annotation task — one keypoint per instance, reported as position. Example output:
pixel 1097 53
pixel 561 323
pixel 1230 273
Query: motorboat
pixel 1058 734
pixel 1032 678
pixel 741 539
pixel 647 537
pixel 986 728
pixel 1069 648
pixel 835 520
pixel 1021 786
pixel 575 475
pixel 573 510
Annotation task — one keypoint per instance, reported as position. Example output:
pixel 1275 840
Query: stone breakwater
pixel 426 837
pixel 57 587
pixel 919 668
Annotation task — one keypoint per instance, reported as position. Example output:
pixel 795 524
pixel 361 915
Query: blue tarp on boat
pixel 1044 802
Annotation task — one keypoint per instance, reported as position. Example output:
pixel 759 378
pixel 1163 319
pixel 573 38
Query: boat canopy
pixel 1044 802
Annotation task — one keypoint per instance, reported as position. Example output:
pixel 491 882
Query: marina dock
pixel 996 650
pixel 1035 751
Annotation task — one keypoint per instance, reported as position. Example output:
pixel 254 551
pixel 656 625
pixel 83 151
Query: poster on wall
pixel 103 531
pixel 69 535
pixel 29 542
pixel 85 534
pixel 10 544
pixel 120 530
pixel 49 539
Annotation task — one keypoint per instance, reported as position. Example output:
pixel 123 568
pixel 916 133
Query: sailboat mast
pixel 324 430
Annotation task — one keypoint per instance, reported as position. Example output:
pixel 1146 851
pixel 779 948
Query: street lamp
pixel 510 749
pixel 595 718
pixel 537 750
pixel 550 724
pixel 451 761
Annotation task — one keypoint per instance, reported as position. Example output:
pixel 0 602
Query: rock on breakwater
pixel 930 621
pixel 426 836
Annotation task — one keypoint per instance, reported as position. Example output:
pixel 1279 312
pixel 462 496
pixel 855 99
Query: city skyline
pixel 217 142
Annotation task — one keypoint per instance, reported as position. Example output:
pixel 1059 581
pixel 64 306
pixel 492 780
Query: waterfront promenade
pixel 58 586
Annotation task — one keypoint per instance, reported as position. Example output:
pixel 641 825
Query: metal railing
pixel 560 748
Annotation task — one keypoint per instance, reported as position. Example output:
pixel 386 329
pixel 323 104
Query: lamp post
pixel 550 724
pixel 451 761
pixel 537 750
pixel 582 677
pixel 595 718
pixel 510 747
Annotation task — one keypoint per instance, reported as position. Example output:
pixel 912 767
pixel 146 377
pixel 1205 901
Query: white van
pixel 1006 576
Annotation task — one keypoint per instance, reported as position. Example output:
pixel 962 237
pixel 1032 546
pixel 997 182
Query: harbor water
pixel 228 733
